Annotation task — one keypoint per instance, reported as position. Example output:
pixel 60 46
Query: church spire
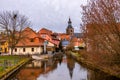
pixel 69 22
pixel 70 29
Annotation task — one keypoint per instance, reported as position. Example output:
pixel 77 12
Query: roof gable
pixel 44 31
pixel 28 32
pixel 26 42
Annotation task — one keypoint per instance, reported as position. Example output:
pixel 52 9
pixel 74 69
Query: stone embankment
pixel 14 69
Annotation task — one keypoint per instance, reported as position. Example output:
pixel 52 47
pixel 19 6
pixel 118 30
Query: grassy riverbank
pixel 96 64
pixel 9 63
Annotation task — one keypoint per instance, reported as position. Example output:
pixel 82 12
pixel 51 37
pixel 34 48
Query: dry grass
pixel 102 61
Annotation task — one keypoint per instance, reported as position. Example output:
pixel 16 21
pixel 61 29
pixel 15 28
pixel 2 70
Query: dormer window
pixel 43 36
pixel 32 40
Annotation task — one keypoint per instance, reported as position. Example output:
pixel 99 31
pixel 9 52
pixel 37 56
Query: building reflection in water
pixel 64 68
pixel 32 70
pixel 70 65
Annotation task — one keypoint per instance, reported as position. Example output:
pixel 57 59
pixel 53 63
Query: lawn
pixel 8 63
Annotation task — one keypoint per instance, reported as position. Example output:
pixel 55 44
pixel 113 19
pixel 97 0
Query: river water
pixel 64 68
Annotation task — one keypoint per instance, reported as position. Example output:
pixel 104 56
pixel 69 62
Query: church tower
pixel 70 29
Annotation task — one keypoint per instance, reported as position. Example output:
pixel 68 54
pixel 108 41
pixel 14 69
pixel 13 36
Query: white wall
pixel 50 44
pixel 28 50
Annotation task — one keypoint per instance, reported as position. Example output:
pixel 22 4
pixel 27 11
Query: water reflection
pixel 32 70
pixel 67 69
pixel 63 68
pixel 70 65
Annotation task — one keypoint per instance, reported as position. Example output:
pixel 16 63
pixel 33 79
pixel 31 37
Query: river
pixel 64 68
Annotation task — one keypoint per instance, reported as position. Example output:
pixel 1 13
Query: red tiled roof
pixel 31 38
pixel 27 42
pixel 28 32
pixel 64 36
pixel 77 40
pixel 45 31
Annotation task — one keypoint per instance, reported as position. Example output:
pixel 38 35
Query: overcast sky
pixel 50 14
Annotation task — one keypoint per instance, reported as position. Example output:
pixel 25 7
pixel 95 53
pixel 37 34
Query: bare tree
pixel 13 23
pixel 101 25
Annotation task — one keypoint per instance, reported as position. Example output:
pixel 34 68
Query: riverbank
pixel 108 70
pixel 10 64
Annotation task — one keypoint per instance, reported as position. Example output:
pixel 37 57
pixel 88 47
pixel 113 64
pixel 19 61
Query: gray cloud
pixel 51 14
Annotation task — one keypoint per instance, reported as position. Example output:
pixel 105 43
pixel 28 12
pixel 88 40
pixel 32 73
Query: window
pixel 15 49
pixel 32 49
pixel 43 36
pixel 23 49
pixel 32 40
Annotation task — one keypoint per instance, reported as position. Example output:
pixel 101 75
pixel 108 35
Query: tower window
pixel 32 40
